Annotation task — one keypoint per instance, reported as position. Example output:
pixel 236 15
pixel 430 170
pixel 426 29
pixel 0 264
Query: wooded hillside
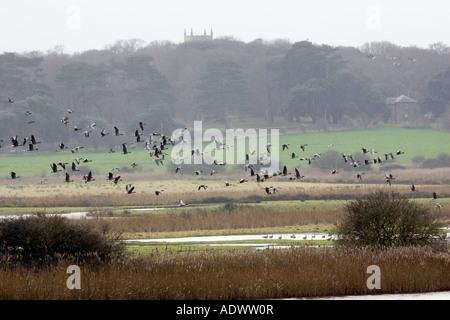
pixel 167 85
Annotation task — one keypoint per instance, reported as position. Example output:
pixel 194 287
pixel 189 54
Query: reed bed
pixel 267 274
pixel 227 217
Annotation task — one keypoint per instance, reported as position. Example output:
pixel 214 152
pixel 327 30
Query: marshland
pixel 69 145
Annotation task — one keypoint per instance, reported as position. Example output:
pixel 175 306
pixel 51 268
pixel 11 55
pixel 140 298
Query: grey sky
pixel 80 25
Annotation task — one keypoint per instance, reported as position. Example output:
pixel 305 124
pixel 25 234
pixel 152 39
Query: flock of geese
pixel 157 144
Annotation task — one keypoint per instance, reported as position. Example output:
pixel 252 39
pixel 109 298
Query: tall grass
pixel 268 274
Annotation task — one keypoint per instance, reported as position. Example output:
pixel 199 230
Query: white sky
pixel 80 25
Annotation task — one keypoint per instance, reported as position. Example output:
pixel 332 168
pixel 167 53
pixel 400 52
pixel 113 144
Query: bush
pixel 387 219
pixel 41 240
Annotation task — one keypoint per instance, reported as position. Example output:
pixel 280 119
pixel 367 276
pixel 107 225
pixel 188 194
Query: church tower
pixel 192 37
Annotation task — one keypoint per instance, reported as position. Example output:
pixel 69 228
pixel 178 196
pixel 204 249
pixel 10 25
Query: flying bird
pixel 54 168
pixel 297 174
pixel 117 132
pixel 88 177
pixel 13 175
pixel 159 192
pixel 129 188
pixel 204 186
pixel 124 149
pixel 67 179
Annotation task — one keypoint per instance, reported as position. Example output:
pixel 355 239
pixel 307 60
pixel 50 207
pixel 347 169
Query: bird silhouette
pixel 13 175
pixel 159 192
pixel 74 167
pixel 117 132
pixel 124 149
pixel 33 140
pixel 204 186
pixel 54 168
pixel 297 174
pixel 129 189
pixel 359 175
pixel 88 177
pixel 31 147
pixel 67 179
pixel 103 132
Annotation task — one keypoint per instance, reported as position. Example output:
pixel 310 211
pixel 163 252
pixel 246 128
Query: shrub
pixel 387 219
pixel 40 240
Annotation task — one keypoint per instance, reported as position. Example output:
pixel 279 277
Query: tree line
pixel 167 85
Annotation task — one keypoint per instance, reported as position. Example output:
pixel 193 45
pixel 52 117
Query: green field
pixel 427 143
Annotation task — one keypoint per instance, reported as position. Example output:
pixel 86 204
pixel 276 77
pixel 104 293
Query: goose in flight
pixel 359 175
pixel 65 120
pixel 61 146
pixel 297 174
pixel 129 188
pixel 54 168
pixel 13 175
pixel 158 192
pixel 103 132
pixel 87 133
pixel 117 132
pixel 31 147
pixel 33 140
pixel 67 179
pixel 14 141
pixel 124 149
pixel 141 125
pixel 76 149
pixel 285 146
pixel 62 164
pixel 204 186
pixel 181 203
pixel 74 167
pixel 302 146
pixel 88 177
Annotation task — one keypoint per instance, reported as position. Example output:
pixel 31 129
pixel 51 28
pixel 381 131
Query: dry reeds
pixel 268 274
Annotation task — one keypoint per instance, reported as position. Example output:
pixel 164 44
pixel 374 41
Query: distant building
pixel 403 109
pixel 203 37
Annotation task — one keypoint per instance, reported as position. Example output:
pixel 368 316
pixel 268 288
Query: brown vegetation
pixel 300 272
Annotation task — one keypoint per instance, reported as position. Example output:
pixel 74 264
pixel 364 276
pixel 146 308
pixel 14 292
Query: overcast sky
pixel 80 25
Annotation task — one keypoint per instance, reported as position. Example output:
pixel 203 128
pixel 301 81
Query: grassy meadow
pixel 166 270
